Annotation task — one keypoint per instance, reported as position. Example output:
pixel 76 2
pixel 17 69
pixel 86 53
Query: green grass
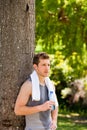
pixel 71 121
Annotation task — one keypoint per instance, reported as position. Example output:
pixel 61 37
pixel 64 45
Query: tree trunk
pixel 17 36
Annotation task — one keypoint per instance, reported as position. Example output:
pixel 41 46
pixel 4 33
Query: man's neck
pixel 42 80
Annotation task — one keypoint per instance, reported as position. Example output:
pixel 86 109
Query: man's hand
pixel 47 105
pixel 53 125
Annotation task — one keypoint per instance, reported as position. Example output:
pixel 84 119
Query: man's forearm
pixel 25 110
pixel 54 114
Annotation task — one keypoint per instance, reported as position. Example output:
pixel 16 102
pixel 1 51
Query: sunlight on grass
pixel 71 121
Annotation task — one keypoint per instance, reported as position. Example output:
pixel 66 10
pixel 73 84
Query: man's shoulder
pixel 27 84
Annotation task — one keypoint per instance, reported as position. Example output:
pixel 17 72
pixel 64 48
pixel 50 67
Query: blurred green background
pixel 61 31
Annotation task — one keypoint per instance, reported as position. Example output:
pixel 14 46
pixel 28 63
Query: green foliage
pixel 61 30
pixel 68 69
pixel 63 72
pixel 61 25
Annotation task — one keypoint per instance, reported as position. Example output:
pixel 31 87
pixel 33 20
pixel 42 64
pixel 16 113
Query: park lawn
pixel 72 121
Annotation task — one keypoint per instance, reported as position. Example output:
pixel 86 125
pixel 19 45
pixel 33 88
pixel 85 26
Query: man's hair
pixel 41 55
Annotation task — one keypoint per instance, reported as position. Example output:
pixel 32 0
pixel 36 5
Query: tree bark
pixel 17 36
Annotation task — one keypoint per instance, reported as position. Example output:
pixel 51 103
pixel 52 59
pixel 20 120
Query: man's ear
pixel 35 66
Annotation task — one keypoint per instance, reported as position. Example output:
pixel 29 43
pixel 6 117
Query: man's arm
pixel 20 106
pixel 54 115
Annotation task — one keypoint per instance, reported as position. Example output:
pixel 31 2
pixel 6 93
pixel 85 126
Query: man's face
pixel 43 67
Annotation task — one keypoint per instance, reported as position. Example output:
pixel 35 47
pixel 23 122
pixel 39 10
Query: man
pixel 38 113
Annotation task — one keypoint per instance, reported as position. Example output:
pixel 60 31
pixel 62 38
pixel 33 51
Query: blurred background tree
pixel 61 30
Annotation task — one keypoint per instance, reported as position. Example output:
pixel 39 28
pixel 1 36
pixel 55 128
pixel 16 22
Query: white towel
pixel 36 88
